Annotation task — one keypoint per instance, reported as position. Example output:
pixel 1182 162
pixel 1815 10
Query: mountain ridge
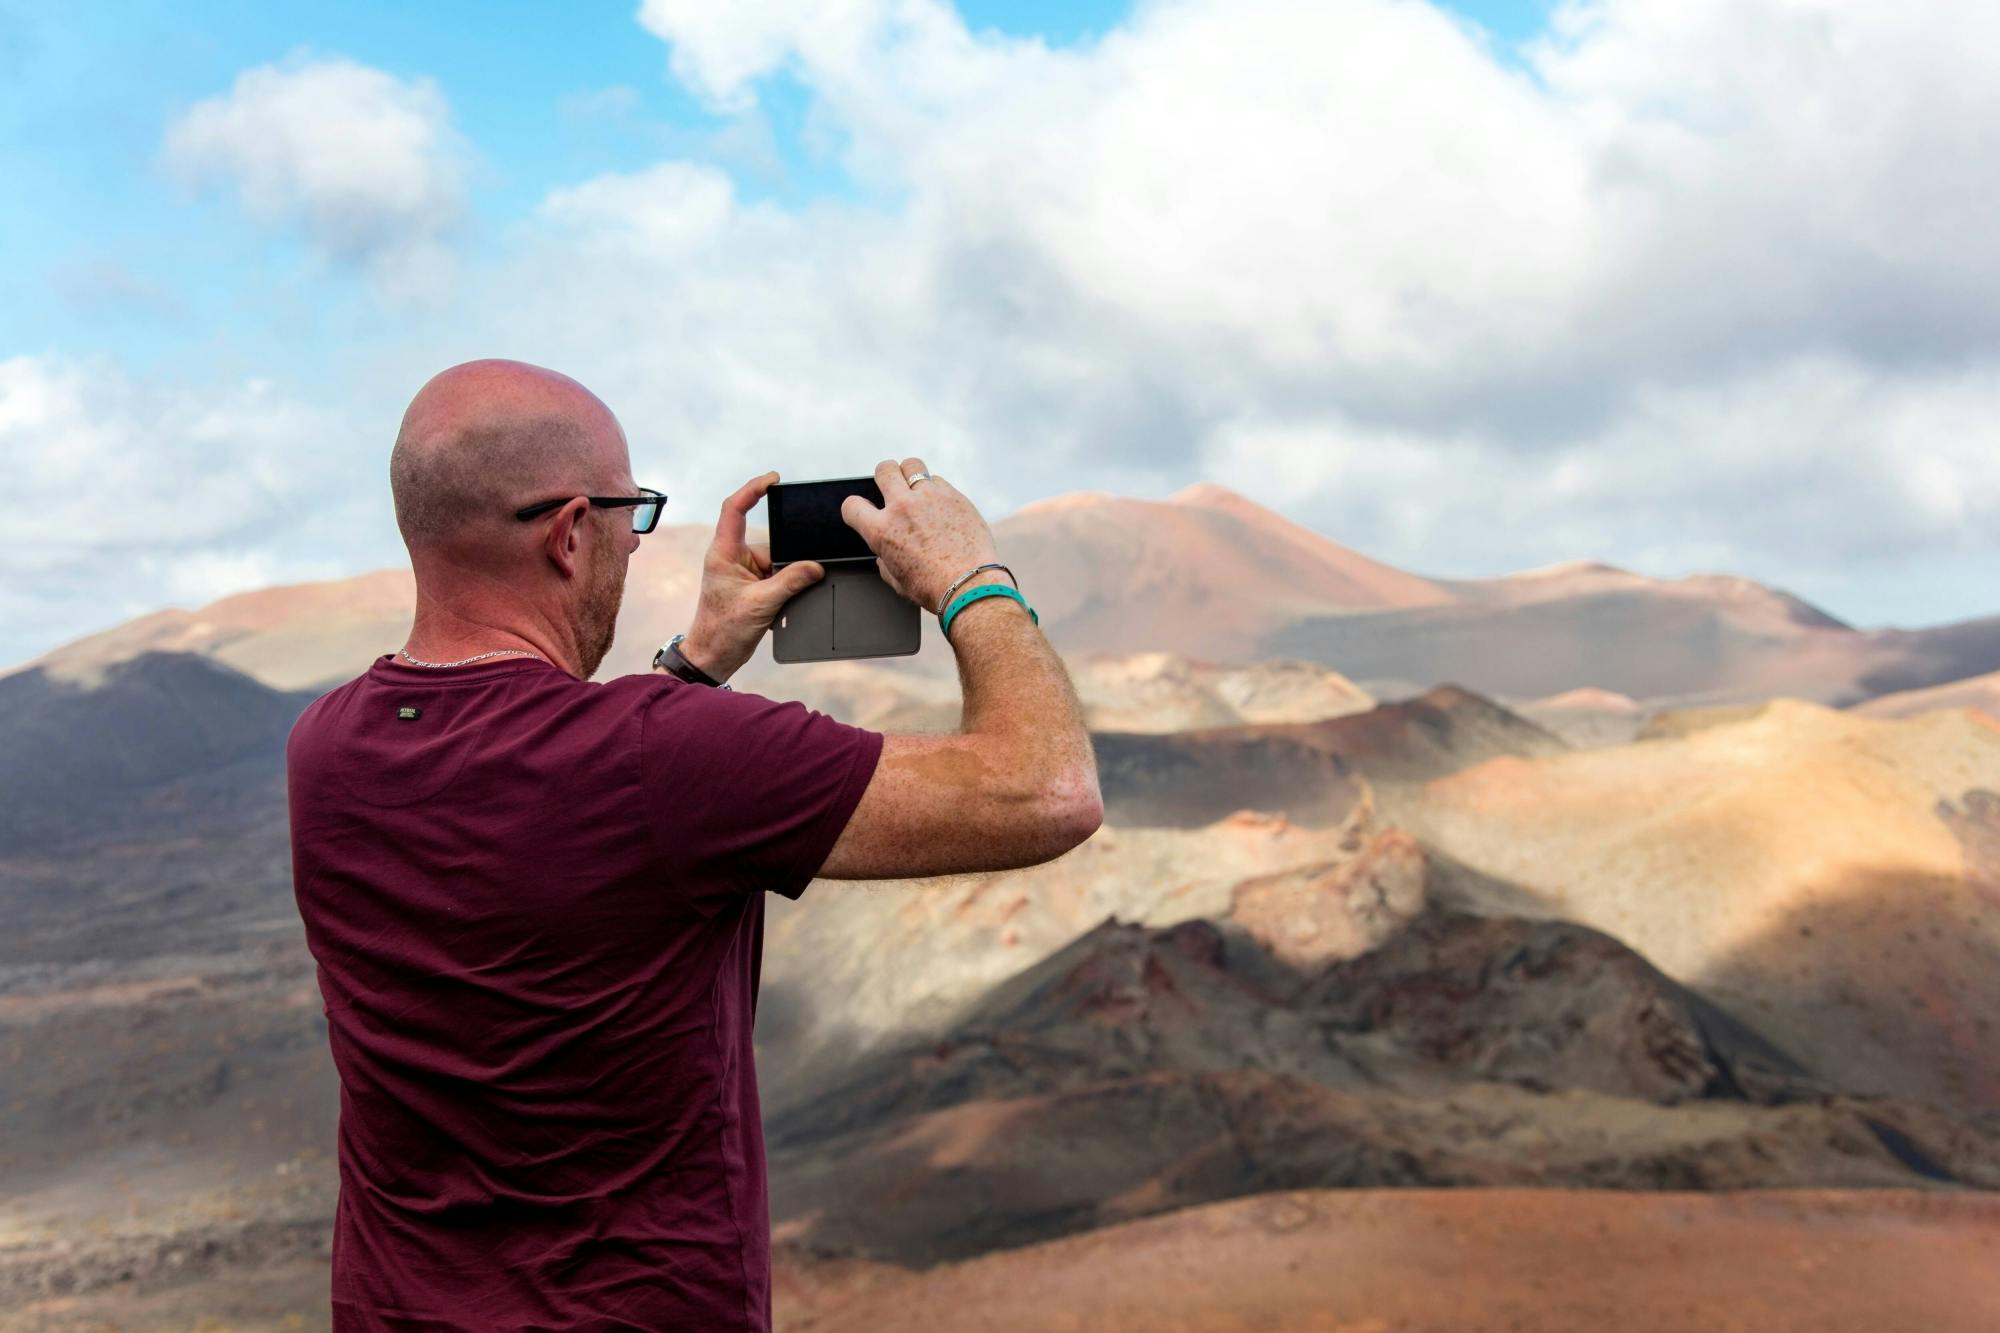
pixel 1215 576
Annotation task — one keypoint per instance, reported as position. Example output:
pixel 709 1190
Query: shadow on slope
pixel 1306 770
pixel 1138 1071
pixel 144 815
pixel 1885 983
pixel 161 737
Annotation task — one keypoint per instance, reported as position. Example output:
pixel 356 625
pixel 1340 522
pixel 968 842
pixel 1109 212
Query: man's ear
pixel 564 543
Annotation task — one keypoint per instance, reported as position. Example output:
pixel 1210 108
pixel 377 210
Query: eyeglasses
pixel 646 507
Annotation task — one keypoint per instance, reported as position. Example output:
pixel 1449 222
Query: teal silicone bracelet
pixel 971 595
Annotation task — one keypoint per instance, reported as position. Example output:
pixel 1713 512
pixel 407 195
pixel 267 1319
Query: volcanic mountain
pixel 142 812
pixel 1319 941
pixel 1254 822
pixel 1211 576
pixel 1206 570
pixel 1301 769
pixel 1833 879
pixel 160 735
pixel 1203 573
pixel 1137 1071
pixel 1237 985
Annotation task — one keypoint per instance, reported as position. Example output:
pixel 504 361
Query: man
pixel 537 902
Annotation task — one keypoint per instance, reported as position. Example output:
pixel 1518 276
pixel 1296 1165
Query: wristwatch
pixel 671 660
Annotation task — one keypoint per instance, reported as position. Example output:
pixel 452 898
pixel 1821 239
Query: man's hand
pixel 739 596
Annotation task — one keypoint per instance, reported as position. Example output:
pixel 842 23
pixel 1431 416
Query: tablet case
pixel 851 612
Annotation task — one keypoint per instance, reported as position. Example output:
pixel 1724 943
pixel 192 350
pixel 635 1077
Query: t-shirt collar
pixel 389 664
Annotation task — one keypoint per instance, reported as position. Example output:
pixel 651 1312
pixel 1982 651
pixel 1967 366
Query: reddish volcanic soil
pixel 1461 1261
pixel 1316 1261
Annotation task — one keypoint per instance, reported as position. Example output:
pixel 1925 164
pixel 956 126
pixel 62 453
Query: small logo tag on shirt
pixel 409 712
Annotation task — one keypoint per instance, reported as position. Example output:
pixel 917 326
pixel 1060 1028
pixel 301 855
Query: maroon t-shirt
pixel 537 906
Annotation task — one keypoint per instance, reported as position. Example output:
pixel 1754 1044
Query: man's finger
pixel 730 527
pixel 796 578
pixel 862 516
pixel 760 556
pixel 891 480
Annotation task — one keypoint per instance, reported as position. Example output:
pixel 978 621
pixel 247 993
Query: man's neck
pixel 441 635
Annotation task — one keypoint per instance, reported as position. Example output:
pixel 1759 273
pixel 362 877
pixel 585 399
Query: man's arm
pixel 1017 783
pixel 1015 786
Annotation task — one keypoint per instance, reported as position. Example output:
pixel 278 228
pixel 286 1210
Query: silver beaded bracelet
pixel 945 600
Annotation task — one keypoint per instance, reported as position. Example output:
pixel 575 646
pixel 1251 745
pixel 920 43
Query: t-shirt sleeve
pixel 744 793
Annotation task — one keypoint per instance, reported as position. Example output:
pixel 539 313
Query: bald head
pixel 482 439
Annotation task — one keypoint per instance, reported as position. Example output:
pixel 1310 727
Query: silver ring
pixel 921 476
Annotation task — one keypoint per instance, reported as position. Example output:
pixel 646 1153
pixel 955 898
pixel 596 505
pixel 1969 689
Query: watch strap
pixel 672 660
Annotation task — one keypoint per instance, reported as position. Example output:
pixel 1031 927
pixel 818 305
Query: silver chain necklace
pixel 418 661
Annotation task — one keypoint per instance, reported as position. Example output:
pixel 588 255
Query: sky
pixel 1686 286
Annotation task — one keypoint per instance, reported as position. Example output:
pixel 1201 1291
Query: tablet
pixel 851 612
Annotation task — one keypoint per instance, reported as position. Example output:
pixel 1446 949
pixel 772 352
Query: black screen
pixel 806 522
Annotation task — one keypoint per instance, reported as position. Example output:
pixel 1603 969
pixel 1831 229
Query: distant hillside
pixel 1206 571
pixel 1211 576
pixel 1587 717
pixel 153 736
pixel 1981 692
pixel 1150 692
pixel 1681 641
pixel 142 815
pixel 1303 769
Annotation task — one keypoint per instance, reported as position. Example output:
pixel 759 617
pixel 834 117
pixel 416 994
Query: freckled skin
pixel 1016 785
pixel 953 768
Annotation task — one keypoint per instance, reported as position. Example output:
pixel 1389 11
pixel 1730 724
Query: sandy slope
pixel 1981 692
pixel 1833 879
pixel 1426 1261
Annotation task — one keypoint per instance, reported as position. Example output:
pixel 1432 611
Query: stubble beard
pixel 598 615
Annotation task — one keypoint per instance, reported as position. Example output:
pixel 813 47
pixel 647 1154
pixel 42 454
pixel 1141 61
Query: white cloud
pixel 1707 277
pixel 745 143
pixel 668 208
pixel 126 496
pixel 204 576
pixel 718 50
pixel 1814 465
pixel 1360 189
pixel 364 165
pixel 1707 284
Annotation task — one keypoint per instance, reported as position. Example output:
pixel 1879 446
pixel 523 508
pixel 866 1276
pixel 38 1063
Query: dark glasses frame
pixel 657 499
